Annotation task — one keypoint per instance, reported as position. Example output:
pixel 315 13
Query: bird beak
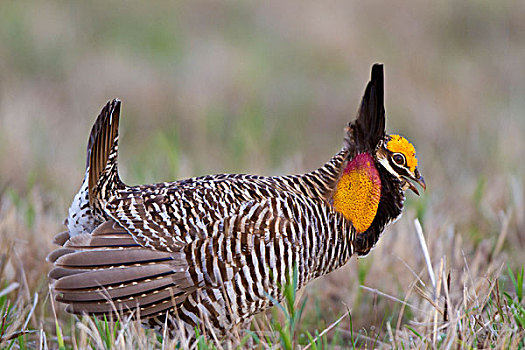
pixel 417 178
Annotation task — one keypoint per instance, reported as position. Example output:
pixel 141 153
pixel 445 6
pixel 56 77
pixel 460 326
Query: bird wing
pixel 171 215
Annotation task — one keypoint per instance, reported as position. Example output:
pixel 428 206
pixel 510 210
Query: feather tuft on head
pixel 398 144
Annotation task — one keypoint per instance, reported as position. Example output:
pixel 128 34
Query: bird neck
pixel 319 183
pixel 358 192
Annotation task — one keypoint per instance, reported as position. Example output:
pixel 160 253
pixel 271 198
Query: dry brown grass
pixel 265 88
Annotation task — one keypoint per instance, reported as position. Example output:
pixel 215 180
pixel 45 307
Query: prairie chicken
pixel 213 251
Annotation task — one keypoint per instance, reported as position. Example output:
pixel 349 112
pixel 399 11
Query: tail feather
pixel 59 272
pixel 101 176
pixel 143 301
pixel 102 257
pixel 106 272
pixel 58 253
pixel 61 238
pixel 125 291
pixel 102 153
pixel 111 276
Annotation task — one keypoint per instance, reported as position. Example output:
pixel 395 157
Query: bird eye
pixel 399 158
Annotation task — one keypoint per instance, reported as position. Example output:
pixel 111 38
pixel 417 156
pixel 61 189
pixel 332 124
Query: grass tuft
pixel 208 87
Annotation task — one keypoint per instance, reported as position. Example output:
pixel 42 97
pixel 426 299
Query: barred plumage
pixel 211 251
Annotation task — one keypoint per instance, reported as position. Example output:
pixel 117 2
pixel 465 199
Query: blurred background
pixel 266 88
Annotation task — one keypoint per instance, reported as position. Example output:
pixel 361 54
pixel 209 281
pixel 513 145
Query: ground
pixel 266 88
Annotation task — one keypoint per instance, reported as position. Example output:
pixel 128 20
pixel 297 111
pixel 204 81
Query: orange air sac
pixel 358 192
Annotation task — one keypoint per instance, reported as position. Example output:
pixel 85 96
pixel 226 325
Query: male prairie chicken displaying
pixel 213 251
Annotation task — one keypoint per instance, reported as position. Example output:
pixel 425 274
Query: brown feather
pixel 59 272
pixel 111 276
pixel 56 254
pixel 108 234
pixel 144 300
pixel 154 310
pixel 61 238
pixel 111 257
pixel 107 271
pixel 126 291
pixel 114 241
pixel 108 227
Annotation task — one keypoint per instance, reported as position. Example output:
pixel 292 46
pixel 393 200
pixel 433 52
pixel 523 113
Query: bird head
pixel 398 156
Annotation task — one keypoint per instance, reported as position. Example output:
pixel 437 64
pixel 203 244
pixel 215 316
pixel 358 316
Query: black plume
pixel 369 128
